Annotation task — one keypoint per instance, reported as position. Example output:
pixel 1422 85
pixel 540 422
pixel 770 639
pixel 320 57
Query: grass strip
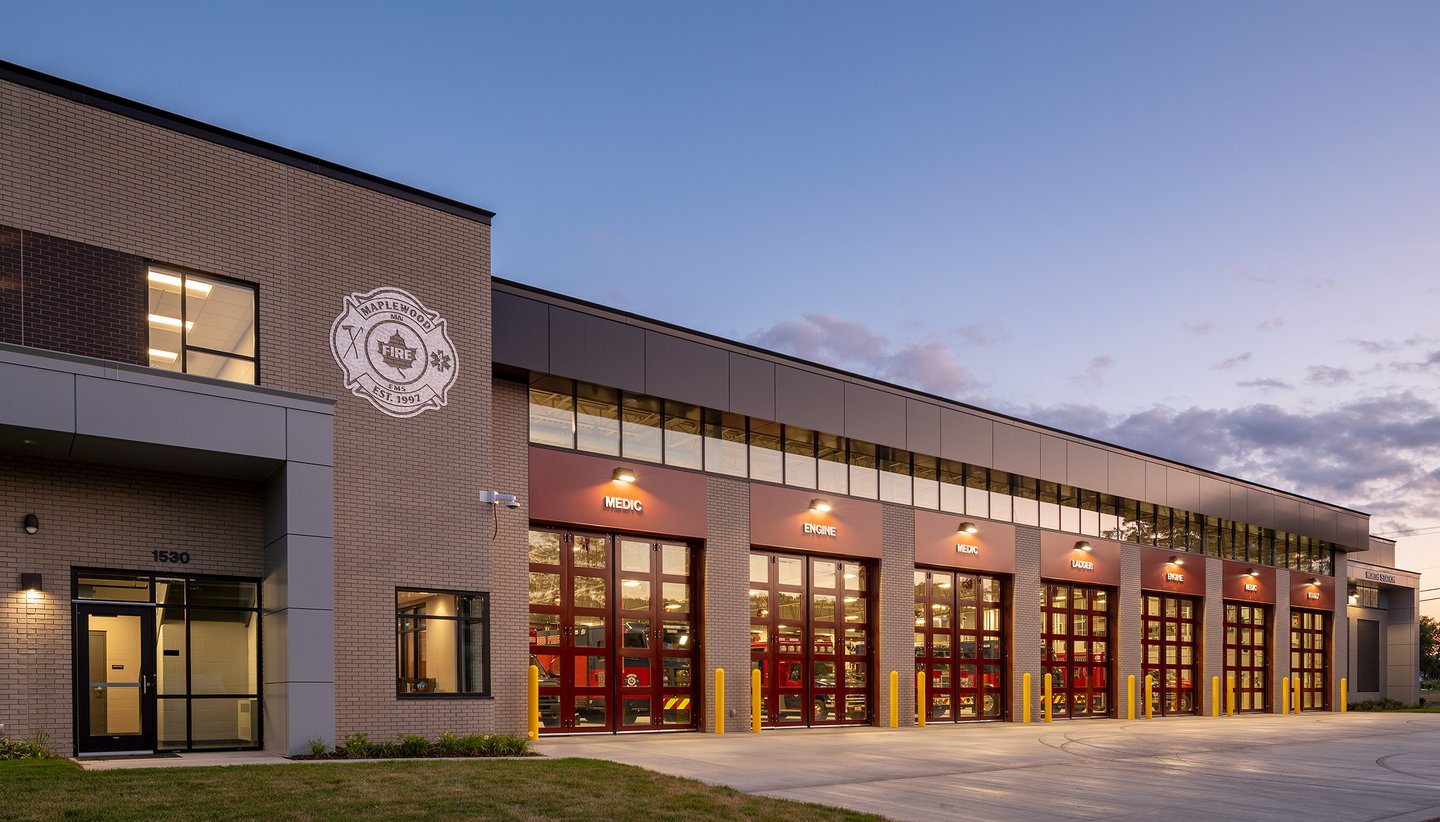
pixel 540 789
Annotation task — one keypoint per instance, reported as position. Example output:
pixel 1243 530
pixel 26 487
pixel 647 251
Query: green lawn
pixel 533 789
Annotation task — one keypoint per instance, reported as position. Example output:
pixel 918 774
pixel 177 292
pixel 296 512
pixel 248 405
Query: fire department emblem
pixel 394 351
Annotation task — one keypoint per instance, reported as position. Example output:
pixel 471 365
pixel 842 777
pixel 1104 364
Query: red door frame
pixel 946 693
pixel 1155 612
pixel 1243 634
pixel 1064 628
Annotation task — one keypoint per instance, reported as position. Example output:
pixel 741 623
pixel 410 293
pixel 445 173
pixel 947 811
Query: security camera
pixel 496 498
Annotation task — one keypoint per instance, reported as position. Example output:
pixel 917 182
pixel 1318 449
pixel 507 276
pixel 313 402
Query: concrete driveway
pixel 1313 767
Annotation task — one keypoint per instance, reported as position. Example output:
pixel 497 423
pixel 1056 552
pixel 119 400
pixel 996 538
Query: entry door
pixel 1247 654
pixel 657 646
pixel 810 639
pixel 1310 658
pixel 115 678
pixel 612 632
pixel 1169 624
pixel 959 645
pixel 1075 649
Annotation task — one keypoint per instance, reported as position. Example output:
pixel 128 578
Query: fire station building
pixel 282 462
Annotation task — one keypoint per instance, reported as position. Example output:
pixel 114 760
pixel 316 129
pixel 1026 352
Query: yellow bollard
pixel 1048 700
pixel 1284 694
pixel 1214 696
pixel 533 715
pixel 920 698
pixel 1025 700
pixel 1130 697
pixel 755 703
pixel 719 700
pixel 1344 688
pixel 894 699
pixel 1149 696
pixel 1295 700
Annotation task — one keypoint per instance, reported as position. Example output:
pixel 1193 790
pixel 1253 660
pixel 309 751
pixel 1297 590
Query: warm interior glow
pixel 201 289
pixel 169 322
pixel 164 356
pixel 632 583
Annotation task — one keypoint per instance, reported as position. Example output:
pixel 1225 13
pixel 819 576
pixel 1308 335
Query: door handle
pixel 144 684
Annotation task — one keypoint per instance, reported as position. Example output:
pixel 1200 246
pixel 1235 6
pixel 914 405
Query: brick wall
pixel 895 634
pixel 62 295
pixel 1025 623
pixel 1212 649
pixel 509 557
pixel 406 512
pixel 96 516
pixel 727 600
pixel 1281 638
pixel 1126 635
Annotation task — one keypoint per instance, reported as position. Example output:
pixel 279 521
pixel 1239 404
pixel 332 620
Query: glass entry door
pixel 611 630
pixel 115 678
pixel 810 639
pixel 1170 652
pixel 1310 658
pixel 1247 654
pixel 959 644
pixel 1075 648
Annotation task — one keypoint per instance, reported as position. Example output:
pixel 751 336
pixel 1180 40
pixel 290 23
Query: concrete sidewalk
pixel 1314 767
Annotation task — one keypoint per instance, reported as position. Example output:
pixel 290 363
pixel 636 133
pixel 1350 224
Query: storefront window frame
pixel 460 622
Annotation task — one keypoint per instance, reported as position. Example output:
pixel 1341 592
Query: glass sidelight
pixel 1170 652
pixel 960 644
pixel 1075 648
pixel 1310 657
pixel 1247 654
pixel 810 639
pixel 612 632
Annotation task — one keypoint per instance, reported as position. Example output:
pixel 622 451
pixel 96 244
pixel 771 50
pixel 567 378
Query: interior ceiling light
pixel 967 528
pixel 169 322
pixel 162 355
pixel 200 288
pixel 623 475
pixel 819 505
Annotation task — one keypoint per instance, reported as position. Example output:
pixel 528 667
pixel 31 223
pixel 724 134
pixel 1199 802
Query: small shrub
pixel 318 748
pixel 1381 704
pixel 36 747
pixel 384 750
pixel 448 744
pixel 506 745
pixel 356 746
pixel 413 745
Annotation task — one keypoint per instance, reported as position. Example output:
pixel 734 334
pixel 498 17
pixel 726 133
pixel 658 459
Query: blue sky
pixel 1204 230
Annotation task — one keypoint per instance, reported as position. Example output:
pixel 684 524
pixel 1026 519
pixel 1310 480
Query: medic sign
pixel 939 543
pixel 1239 583
pixel 1318 594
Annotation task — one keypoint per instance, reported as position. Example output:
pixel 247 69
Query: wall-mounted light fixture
pixel 32 524
pixel 1314 580
pixel 1082 545
pixel 1176 560
pixel 30 583
pixel 967 528
pixel 819 505
pixel 623 475
pixel 1249 572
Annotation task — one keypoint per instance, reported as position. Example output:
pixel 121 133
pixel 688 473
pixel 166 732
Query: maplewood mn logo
pixel 394 352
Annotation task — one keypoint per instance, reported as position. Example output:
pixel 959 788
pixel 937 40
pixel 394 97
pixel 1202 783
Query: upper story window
pixel 202 325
